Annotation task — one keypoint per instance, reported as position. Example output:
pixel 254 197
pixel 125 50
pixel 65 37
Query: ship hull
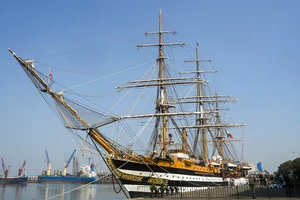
pixel 14 180
pixel 135 178
pixel 66 179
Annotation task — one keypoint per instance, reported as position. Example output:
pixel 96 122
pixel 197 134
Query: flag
pixel 228 134
pixel 50 74
pixel 259 166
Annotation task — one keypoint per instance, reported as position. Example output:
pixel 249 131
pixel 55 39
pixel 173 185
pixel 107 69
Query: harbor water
pixel 37 191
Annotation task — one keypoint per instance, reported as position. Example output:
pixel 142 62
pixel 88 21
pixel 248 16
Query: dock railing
pixel 233 192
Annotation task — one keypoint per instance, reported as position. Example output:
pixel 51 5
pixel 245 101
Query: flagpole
pixel 50 76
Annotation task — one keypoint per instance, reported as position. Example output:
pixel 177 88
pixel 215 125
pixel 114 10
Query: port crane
pixel 22 168
pixel 64 172
pixel 48 164
pixel 5 169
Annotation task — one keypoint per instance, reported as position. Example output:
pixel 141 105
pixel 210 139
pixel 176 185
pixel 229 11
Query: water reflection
pixel 11 191
pixel 88 193
pixel 68 191
pixel 46 191
pixel 37 191
pixel 62 191
pixel 2 191
pixel 18 192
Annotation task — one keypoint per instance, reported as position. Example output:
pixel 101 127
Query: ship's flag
pixel 228 134
pixel 50 74
pixel 259 166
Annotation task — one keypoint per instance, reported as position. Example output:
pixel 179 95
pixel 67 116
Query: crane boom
pixel 69 160
pixel 3 165
pixel 21 169
pixel 5 169
pixel 64 172
pixel 47 158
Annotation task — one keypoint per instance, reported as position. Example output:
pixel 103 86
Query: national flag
pixel 50 74
pixel 228 134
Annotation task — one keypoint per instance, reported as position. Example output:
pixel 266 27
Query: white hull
pixel 176 177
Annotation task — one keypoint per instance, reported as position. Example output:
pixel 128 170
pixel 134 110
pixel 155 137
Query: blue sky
pixel 253 44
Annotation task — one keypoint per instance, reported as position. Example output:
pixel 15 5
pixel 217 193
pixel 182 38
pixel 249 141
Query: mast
pixel 76 165
pixel 201 124
pixel 161 100
pixel 162 89
pixel 73 167
pixel 220 135
pixel 200 118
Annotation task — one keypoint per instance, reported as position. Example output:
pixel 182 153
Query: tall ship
pixel 189 145
pixel 86 174
pixel 20 178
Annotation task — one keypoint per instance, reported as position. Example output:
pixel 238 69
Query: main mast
pixel 200 118
pixel 162 89
pixel 161 100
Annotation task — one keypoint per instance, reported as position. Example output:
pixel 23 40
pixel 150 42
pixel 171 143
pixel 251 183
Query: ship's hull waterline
pixel 14 180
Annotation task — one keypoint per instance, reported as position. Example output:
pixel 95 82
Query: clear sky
pixel 253 44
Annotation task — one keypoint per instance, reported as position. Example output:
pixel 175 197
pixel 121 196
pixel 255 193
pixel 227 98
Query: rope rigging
pixel 104 160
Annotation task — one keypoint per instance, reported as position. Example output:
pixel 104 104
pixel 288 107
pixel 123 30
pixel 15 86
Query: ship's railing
pixel 233 192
